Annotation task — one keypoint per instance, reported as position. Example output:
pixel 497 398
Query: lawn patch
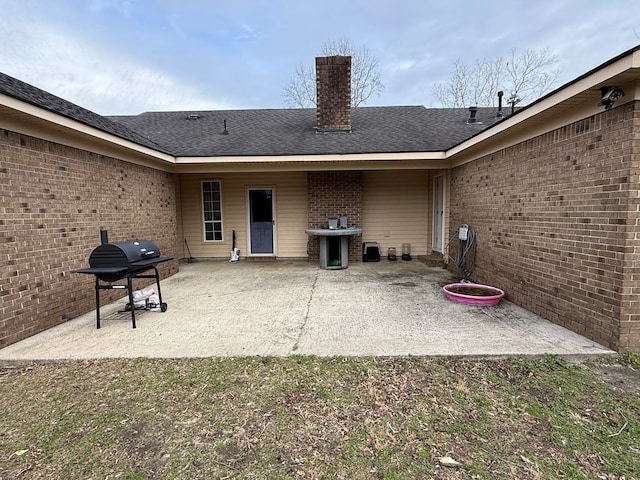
pixel 310 417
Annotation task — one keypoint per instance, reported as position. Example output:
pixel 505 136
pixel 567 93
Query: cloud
pixel 129 56
pixel 245 33
pixel 122 7
pixel 95 78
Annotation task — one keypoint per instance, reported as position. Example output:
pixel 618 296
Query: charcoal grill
pixel 124 261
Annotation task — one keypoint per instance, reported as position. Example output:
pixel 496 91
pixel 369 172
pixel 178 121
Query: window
pixel 212 211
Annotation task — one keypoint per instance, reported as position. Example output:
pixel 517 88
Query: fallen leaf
pixel 18 453
pixel 448 462
pixel 526 460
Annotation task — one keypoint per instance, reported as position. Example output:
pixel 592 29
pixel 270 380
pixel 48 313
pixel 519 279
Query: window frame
pixel 205 222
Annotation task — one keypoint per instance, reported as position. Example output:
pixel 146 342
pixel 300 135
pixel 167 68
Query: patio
pixel 217 308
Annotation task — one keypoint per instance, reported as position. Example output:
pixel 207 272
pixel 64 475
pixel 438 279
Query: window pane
pixel 212 211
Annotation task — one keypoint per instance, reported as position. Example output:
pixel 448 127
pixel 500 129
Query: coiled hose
pixel 466 253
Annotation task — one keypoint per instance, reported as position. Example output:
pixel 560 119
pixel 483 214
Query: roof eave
pixel 361 161
pixel 31 119
pixel 587 85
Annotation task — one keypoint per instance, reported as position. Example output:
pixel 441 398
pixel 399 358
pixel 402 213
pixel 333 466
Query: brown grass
pixel 312 418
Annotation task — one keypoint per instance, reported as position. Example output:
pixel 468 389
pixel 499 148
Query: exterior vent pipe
pixel 500 94
pixel 472 115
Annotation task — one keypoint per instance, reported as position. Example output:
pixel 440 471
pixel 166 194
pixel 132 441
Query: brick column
pixel 332 194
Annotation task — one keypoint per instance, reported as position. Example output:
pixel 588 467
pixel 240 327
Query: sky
pixel 124 57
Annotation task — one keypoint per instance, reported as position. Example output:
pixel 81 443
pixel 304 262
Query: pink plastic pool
pixel 476 294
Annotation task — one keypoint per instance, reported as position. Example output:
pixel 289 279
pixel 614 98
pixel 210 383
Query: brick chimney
pixel 333 91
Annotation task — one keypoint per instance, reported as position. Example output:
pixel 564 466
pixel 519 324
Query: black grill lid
pixel 125 254
pixel 110 262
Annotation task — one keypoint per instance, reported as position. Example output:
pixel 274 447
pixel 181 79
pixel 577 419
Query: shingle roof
pixel 291 131
pixel 274 132
pixel 28 93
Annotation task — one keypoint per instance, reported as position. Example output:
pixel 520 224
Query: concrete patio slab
pixel 218 308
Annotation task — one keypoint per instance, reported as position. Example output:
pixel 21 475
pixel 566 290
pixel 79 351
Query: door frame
pixel 441 177
pixel 273 217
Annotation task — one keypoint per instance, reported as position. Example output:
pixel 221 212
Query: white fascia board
pixel 356 157
pixel 65 122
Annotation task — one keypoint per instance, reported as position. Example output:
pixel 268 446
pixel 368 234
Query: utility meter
pixel 463 232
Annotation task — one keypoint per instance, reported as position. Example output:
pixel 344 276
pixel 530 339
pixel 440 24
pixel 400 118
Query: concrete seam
pixel 305 317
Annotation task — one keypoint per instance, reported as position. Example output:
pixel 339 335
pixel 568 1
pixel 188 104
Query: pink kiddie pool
pixel 473 294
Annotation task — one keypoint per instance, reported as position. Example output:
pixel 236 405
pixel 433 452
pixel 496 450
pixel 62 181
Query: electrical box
pixel 463 232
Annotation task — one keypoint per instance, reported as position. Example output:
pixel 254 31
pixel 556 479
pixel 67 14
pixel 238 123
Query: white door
pixel 438 214
pixel 261 221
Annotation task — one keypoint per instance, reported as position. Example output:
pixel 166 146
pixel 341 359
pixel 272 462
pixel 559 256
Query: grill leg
pixel 133 307
pixel 158 284
pixel 97 302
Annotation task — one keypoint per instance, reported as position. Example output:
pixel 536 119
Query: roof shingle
pixel 271 132
pixel 280 132
pixel 34 96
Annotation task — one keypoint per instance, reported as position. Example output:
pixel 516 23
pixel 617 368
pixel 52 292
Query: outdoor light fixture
pixel 609 96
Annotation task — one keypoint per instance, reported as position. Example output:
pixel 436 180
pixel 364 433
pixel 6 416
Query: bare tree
pixel 523 77
pixel 365 76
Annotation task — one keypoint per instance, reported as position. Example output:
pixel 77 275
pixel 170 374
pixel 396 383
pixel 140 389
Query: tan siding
pixel 291 212
pixel 396 209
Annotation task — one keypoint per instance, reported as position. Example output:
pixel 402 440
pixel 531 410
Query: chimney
pixel 500 94
pixel 333 94
pixel 472 115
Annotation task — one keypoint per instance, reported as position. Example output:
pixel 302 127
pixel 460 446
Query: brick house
pixel 552 192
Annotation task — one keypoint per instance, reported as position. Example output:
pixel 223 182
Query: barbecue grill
pixel 113 262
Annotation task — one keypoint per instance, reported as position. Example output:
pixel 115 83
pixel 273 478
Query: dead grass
pixel 313 418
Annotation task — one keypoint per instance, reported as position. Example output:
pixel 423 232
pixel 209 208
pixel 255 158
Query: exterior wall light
pixel 609 96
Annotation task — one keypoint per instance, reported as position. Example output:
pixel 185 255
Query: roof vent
pixel 500 94
pixel 194 116
pixel 472 115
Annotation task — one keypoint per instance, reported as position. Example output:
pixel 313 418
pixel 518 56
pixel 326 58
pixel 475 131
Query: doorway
pixel 438 214
pixel 261 221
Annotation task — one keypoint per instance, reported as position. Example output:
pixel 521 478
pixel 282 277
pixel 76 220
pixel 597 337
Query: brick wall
pixel 333 89
pixel 53 202
pixel 332 194
pixel 557 224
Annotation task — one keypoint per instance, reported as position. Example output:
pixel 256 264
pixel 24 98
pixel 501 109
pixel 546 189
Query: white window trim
pixel 203 221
